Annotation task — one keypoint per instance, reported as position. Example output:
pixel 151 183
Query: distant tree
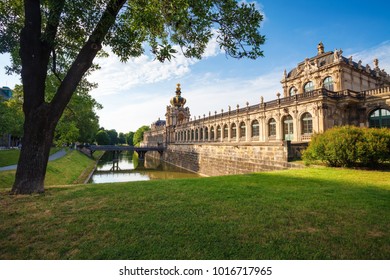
pixel 113 136
pixel 102 138
pixel 122 138
pixel 139 134
pixel 66 133
pixel 129 138
pixel 62 37
pixel 11 114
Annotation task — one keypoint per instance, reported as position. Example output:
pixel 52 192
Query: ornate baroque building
pixel 324 91
pixel 321 92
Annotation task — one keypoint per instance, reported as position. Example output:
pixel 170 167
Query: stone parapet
pixel 225 159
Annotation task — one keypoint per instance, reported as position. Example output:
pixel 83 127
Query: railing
pixel 376 91
pixel 285 101
pixel 93 148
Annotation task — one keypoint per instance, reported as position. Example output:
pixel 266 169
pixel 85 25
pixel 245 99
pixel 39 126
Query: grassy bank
pixel 11 157
pixel 314 213
pixel 73 168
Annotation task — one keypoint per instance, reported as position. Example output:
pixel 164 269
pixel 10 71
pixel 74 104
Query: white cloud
pixel 381 52
pixel 209 91
pixel 116 77
pixel 222 93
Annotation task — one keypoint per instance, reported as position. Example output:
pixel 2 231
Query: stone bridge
pixel 141 151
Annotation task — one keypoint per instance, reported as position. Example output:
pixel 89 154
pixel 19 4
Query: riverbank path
pixel 54 156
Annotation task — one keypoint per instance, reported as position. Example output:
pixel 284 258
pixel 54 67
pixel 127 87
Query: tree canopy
pixel 61 38
pixel 138 136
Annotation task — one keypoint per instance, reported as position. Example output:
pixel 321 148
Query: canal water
pixel 126 167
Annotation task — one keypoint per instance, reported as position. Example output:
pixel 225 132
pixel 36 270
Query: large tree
pixel 45 36
pixel 138 136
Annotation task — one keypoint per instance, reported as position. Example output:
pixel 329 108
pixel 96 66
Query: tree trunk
pixel 41 118
pixel 36 143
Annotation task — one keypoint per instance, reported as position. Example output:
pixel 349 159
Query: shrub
pixel 348 146
pixel 375 147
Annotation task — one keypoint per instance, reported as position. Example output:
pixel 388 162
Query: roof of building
pixel 159 122
pixel 5 93
pixel 178 100
pixel 332 57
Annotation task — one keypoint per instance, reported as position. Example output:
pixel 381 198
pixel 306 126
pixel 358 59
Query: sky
pixel 136 93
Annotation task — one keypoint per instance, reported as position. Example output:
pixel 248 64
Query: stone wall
pixel 224 159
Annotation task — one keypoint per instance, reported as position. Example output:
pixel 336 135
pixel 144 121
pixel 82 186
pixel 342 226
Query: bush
pixel 349 146
pixel 375 147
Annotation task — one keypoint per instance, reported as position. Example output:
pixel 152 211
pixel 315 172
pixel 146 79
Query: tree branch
pixel 54 66
pixel 85 57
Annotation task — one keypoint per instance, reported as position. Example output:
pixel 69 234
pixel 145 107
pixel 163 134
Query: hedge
pixel 348 146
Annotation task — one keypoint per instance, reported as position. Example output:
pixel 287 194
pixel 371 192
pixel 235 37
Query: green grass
pixel 74 167
pixel 11 157
pixel 313 213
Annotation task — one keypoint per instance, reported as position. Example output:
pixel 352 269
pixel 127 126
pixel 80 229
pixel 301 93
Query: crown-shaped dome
pixel 177 100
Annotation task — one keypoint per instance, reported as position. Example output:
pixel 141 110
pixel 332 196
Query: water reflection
pixel 125 167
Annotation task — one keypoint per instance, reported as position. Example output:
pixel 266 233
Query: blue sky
pixel 137 93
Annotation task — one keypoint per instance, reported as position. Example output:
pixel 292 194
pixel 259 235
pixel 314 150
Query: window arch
pixel 379 118
pixel 219 132
pixel 212 133
pixel 196 135
pixel 242 129
pixel 255 128
pixel 293 91
pixel 201 134
pixel 307 123
pixel 328 83
pixel 288 127
pixel 272 127
pixel 233 132
pixel 309 86
pixel 206 134
pixel 225 131
pixel 192 135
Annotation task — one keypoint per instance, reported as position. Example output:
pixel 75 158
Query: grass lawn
pixel 312 213
pixel 73 168
pixel 11 157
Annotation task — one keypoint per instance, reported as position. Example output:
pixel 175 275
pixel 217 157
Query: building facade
pixel 5 93
pixel 324 91
pixel 321 92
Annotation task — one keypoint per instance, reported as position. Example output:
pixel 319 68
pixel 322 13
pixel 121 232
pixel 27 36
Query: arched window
pixel 272 127
pixel 196 135
pixel 206 134
pixel 288 128
pixel 225 131
pixel 192 135
pixel 379 118
pixel 219 132
pixel 201 134
pixel 255 128
pixel 242 129
pixel 212 133
pixel 307 123
pixel 328 83
pixel 233 132
pixel 309 86
pixel 293 91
